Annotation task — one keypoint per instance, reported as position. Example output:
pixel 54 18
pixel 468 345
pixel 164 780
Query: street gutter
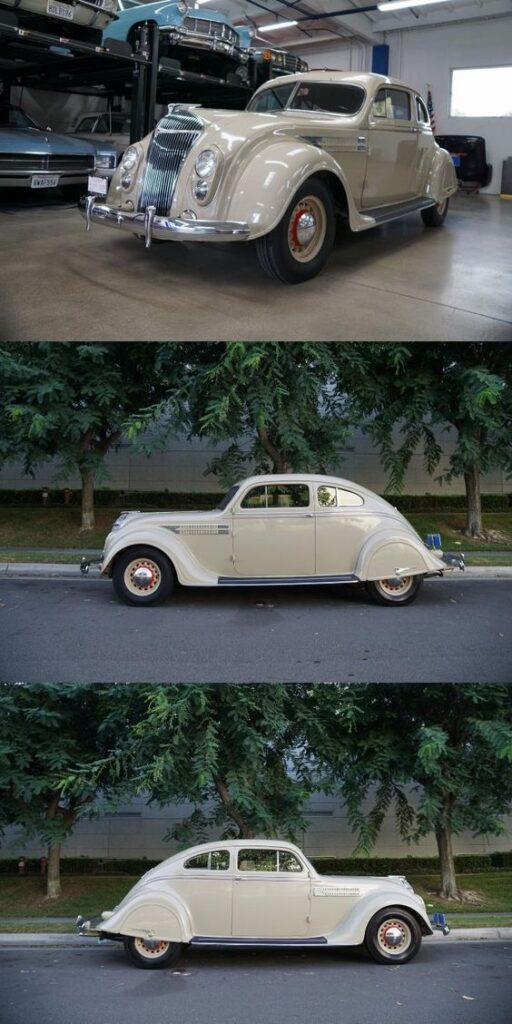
pixel 65 570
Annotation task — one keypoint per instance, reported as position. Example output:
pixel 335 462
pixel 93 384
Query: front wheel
pixel 435 216
pixel 299 245
pixel 395 590
pixel 143 576
pixel 393 936
pixel 151 954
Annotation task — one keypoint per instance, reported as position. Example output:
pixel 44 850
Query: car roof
pixel 361 78
pixel 229 844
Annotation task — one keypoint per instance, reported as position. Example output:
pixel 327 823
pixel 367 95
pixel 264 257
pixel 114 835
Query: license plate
pixel 99 185
pixel 44 181
pixel 60 10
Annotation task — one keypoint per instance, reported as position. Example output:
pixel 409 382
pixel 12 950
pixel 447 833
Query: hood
pixel 38 142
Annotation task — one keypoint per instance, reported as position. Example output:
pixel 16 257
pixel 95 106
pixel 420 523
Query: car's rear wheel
pixel 299 245
pixel 435 216
pixel 395 590
pixel 143 576
pixel 393 936
pixel 150 954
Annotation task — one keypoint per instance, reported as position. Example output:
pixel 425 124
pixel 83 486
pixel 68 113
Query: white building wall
pixel 137 830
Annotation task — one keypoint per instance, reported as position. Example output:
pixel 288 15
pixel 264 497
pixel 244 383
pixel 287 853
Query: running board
pixel 283 581
pixel 214 940
pixel 383 214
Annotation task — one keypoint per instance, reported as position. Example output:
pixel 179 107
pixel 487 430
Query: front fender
pixel 270 179
pixel 188 569
pixel 152 915
pixel 443 178
pixel 382 555
pixel 352 930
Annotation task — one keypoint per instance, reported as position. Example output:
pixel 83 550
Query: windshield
pixel 16 118
pixel 329 97
pixel 227 498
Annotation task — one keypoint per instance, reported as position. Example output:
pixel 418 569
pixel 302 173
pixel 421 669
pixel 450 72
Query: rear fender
pixel 381 557
pixel 154 915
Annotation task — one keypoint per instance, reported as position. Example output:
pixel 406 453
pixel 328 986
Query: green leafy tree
pixel 46 731
pixel 419 389
pixel 74 402
pixel 277 404
pixel 451 743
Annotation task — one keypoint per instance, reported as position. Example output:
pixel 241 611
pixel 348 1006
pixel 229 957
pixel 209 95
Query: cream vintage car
pixel 273 531
pixel 308 148
pixel 260 892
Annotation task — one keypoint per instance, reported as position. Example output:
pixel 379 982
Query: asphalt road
pixel 59 631
pixel 453 983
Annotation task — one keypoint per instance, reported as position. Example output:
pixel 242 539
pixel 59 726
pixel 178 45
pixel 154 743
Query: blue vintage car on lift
pixel 202 41
pixel 37 158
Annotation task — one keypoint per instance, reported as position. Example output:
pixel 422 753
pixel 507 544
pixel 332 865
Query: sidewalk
pixel 67 570
pixel 35 939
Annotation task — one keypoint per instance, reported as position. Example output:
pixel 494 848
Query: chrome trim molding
pixel 283 581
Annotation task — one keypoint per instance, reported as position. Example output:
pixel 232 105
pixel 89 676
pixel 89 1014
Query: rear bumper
pixel 149 225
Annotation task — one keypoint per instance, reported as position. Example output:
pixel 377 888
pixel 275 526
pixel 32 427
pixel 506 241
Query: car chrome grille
pixel 38 162
pixel 207 27
pixel 174 136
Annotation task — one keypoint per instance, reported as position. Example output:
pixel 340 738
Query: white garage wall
pixel 419 56
pixel 350 56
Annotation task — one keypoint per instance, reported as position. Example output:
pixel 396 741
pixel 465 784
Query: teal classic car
pixel 37 158
pixel 202 41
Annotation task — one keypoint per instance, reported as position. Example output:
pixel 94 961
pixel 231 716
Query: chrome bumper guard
pixel 454 560
pixel 150 226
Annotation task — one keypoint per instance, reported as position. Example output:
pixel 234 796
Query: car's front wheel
pixel 395 590
pixel 393 936
pixel 150 954
pixel 435 216
pixel 299 245
pixel 143 576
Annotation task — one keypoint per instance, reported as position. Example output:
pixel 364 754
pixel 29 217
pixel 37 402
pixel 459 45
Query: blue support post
pixel 380 59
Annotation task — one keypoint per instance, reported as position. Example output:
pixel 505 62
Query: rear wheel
pixel 393 936
pixel 435 216
pixel 150 954
pixel 143 576
pixel 299 245
pixel 395 590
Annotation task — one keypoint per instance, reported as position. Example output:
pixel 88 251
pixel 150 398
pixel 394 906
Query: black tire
pixel 154 562
pixel 400 921
pixel 435 216
pixel 281 253
pixel 152 955
pixel 73 192
pixel 385 592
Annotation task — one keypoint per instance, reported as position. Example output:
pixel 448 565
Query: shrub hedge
pixel 465 864
pixel 206 500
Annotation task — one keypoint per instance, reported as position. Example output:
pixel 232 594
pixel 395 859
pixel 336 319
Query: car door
pixel 426 146
pixel 205 885
pixel 393 140
pixel 274 532
pixel 343 522
pixel 271 895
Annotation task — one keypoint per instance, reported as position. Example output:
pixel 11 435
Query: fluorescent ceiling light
pixel 396 5
pixel 275 25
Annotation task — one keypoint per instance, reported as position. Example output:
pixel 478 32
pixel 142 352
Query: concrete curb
pixel 34 939
pixel 55 570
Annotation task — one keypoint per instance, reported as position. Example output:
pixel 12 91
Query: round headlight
pixel 206 164
pixel 201 189
pixel 130 158
pixel 126 180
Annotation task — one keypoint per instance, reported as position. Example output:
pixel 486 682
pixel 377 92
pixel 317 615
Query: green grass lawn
pixel 60 527
pixel 492 891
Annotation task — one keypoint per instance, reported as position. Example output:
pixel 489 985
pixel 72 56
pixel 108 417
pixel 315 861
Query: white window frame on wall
pixel 481 67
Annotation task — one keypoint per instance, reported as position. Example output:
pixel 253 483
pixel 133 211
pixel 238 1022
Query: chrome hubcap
pixel 142 576
pixel 394 936
pixel 306 229
pixel 151 947
pixel 395 586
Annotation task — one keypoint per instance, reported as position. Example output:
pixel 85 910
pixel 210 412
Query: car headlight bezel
pixel 130 159
pixel 206 174
pixel 206 164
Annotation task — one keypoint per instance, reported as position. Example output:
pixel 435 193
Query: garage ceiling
pixel 357 23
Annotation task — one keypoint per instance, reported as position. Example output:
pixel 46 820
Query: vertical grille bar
pixel 174 136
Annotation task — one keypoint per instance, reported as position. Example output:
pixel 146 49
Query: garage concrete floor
pixel 398 282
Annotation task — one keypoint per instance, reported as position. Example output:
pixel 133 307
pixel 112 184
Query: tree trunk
pixel 232 811
pixel 53 889
pixel 449 889
pixel 88 521
pixel 279 461
pixel 474 527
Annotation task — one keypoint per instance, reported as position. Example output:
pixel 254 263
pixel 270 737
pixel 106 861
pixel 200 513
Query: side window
pixel 421 111
pixel 349 498
pixel 327 497
pixel 214 860
pixel 87 124
pixel 102 125
pixel 288 862
pixel 257 860
pixel 379 104
pixel 277 496
pixel 401 104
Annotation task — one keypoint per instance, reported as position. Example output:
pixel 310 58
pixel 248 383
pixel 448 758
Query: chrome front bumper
pixel 149 225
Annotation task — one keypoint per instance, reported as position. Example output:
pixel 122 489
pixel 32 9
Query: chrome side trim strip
pixel 283 581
